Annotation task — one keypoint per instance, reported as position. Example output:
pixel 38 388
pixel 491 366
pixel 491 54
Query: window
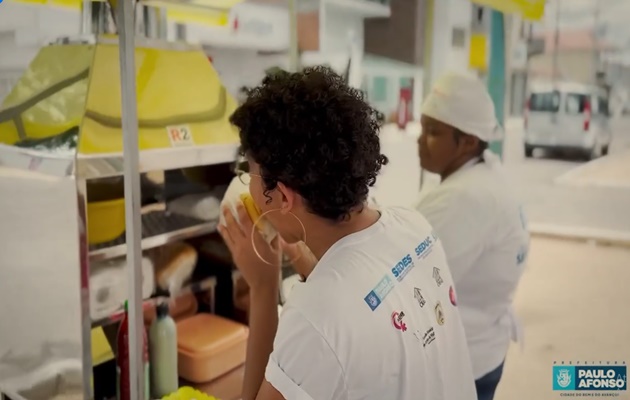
pixel 576 103
pixel 458 39
pixel 545 101
pixel 379 89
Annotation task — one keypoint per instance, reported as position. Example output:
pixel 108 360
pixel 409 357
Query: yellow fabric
pixel 528 9
pixel 101 350
pixel 215 14
pixel 174 89
pixel 209 18
pixel 58 112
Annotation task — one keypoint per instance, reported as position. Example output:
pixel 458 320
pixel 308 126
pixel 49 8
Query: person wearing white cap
pixel 478 219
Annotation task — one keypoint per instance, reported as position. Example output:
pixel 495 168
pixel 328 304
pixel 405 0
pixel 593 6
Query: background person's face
pixel 437 146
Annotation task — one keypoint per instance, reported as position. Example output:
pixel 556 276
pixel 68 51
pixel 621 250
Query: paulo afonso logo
pixel 590 377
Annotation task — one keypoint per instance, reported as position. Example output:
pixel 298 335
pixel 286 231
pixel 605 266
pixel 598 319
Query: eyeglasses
pixel 245 177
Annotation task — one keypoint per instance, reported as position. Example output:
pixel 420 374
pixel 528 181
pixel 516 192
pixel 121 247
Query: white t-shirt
pixel 484 233
pixel 375 320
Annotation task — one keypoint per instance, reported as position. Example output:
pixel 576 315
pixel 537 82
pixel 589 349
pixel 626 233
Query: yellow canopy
pixel 181 100
pixel 210 18
pixel 205 12
pixel 528 9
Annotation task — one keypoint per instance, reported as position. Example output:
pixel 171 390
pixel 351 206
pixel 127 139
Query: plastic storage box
pixel 209 346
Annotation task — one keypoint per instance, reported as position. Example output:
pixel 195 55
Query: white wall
pixel 449 14
pixel 259 27
pixel 338 27
pixel 24 29
pixel 238 68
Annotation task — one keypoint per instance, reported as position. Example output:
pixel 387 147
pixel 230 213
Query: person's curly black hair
pixel 315 134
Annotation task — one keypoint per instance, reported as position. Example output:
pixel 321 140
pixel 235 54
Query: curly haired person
pixel 375 317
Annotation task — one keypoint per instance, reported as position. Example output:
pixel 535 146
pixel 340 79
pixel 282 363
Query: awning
pixel 205 12
pixel 528 9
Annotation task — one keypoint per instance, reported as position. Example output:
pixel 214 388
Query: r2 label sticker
pixel 180 135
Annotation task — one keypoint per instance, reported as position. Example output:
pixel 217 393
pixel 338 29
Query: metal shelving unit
pixel 208 284
pixel 158 228
pixel 143 231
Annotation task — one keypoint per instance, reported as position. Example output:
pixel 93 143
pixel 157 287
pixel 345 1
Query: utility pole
pixel 294 51
pixel 556 40
pixel 596 49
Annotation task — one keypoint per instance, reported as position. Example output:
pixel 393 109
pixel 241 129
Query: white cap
pixel 462 101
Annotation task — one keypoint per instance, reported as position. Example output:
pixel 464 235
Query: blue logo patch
pixel 402 268
pixel 425 247
pixel 380 291
pixel 589 377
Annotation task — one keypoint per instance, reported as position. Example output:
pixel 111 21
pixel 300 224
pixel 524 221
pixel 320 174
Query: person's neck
pixel 322 234
pixel 456 165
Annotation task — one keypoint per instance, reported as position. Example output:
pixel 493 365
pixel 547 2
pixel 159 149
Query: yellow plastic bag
pixel 188 393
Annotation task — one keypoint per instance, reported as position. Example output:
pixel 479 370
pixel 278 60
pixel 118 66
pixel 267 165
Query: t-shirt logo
pixel 402 267
pixel 452 296
pixel 439 313
pixel 437 276
pixel 372 300
pixel 397 321
pixel 376 296
pixel 417 294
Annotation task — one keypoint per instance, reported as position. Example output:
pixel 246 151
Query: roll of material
pixel 109 289
pixel 175 264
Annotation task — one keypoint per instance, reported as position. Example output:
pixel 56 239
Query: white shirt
pixel 375 321
pixel 484 233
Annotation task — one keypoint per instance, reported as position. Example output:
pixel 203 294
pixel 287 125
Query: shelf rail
pixel 131 157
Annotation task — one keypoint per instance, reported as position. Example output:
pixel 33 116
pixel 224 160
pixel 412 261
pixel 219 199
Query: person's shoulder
pixel 453 195
pixel 405 217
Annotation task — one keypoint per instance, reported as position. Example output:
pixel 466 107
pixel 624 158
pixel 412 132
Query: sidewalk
pixel 563 197
pixel 611 171
pixel 573 303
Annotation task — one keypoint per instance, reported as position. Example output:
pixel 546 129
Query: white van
pixel 567 116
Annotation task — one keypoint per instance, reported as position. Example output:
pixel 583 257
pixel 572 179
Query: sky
pixel 614 15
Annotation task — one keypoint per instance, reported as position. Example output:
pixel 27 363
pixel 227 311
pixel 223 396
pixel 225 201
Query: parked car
pixel 567 117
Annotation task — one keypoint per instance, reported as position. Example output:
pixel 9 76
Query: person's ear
pixel 288 198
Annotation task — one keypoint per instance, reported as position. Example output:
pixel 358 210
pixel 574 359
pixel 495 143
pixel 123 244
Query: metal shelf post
pixel 126 32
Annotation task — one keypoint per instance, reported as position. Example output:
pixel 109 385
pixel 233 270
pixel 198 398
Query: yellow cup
pixel 252 210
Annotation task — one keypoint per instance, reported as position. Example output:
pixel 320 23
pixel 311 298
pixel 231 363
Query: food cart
pixel 71 170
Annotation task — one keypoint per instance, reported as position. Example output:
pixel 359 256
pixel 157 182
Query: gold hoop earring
pixel 261 216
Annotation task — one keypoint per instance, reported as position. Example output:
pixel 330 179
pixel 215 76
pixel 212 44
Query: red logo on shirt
pixel 398 322
pixel 451 294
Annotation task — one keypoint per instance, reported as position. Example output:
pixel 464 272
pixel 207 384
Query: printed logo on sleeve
pixel 380 291
pixel 402 268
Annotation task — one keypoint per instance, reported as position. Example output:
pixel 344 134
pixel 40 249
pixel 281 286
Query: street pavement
pixel 551 200
pixel 573 303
